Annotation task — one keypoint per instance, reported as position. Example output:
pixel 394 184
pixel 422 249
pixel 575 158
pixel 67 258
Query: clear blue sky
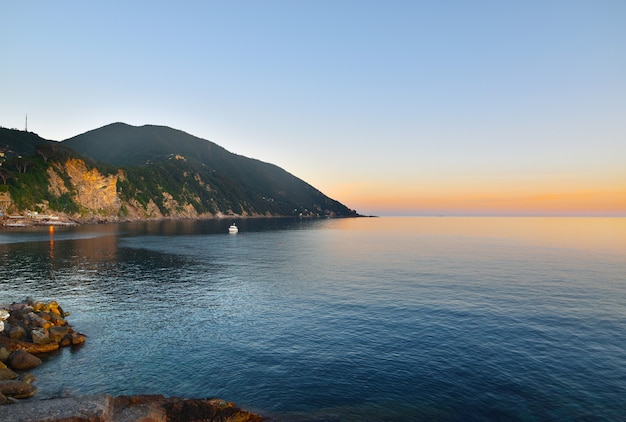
pixel 391 107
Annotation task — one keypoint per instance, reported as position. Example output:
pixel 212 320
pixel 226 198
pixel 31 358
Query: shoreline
pixel 61 220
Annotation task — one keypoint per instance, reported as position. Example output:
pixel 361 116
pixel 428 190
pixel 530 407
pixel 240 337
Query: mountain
pixel 123 172
pixel 121 144
pixel 17 142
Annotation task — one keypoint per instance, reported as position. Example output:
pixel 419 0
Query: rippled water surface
pixel 391 319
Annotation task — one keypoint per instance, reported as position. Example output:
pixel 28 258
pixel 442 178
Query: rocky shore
pixel 105 408
pixel 30 328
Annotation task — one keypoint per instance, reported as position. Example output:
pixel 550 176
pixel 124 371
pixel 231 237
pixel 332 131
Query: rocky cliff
pixel 96 196
pixel 95 193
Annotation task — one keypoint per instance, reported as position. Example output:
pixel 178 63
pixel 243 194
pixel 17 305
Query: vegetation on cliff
pixel 122 172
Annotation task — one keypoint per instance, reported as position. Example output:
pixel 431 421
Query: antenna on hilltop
pixel 26 125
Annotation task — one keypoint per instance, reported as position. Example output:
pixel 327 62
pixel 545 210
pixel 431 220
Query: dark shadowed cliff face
pixel 122 172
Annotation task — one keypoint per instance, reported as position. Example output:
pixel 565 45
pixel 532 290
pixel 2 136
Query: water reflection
pixel 51 230
pixel 596 235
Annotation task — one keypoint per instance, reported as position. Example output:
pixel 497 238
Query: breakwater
pixel 27 329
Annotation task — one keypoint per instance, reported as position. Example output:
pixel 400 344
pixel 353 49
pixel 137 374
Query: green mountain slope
pixel 120 144
pixel 121 172
pixel 242 185
pixel 16 142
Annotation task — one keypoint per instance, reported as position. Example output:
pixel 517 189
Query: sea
pixel 355 319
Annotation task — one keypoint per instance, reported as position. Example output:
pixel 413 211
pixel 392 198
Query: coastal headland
pixel 121 173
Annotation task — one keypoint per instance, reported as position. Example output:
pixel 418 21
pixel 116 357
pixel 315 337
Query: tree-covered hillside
pixel 24 160
pixel 16 142
pixel 148 172
pixel 244 184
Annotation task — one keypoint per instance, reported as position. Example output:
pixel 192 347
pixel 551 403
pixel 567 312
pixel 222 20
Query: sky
pixel 391 107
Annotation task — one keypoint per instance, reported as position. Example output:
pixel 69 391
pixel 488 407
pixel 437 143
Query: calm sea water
pixel 382 319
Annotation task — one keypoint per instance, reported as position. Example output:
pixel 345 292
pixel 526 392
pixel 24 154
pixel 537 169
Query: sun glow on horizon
pixel 480 200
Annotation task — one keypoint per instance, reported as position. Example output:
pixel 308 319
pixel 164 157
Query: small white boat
pixel 233 228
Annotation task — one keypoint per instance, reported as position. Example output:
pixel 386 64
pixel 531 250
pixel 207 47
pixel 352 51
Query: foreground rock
pixel 5 372
pixel 36 327
pixel 28 328
pixel 21 359
pixel 17 389
pixel 104 408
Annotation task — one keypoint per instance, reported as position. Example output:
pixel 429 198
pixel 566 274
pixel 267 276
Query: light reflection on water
pixel 351 319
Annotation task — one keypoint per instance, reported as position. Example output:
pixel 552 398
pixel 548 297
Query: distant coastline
pixel 46 220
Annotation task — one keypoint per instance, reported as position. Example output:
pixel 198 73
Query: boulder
pixel 44 315
pixel 56 334
pixel 17 389
pixel 36 321
pixel 77 338
pixel 28 377
pixel 6 373
pixel 12 345
pixel 4 354
pixel 57 320
pixel 4 314
pixel 21 359
pixel 40 336
pixel 20 308
pixel 53 308
pixel 17 332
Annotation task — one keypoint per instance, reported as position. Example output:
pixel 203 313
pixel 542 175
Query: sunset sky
pixel 391 107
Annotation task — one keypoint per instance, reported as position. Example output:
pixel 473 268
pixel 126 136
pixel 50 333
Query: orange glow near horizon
pixel 493 200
